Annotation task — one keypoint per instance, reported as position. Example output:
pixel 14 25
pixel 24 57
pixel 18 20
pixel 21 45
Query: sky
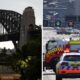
pixel 19 6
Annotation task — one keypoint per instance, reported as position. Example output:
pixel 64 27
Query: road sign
pixel 57 23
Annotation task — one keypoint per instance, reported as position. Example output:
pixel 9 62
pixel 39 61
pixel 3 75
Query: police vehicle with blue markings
pixel 68 66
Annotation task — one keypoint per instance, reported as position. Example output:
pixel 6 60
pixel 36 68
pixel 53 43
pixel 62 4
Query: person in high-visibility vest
pixel 67 48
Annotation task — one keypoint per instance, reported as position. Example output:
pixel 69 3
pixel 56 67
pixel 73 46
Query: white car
pixel 68 66
pixel 75 37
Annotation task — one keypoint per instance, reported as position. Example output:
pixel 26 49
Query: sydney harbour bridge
pixel 14 26
pixel 10 22
pixel 18 28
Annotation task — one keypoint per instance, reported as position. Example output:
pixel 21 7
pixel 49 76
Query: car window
pixel 72 58
pixel 52 44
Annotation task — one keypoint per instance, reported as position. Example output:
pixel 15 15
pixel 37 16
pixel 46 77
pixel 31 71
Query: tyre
pixel 58 78
pixel 58 33
pixel 53 64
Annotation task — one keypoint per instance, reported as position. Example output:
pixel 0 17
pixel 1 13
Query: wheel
pixel 58 33
pixel 53 63
pixel 58 78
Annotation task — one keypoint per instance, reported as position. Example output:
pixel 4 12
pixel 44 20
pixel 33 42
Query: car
pixel 68 31
pixel 75 31
pixel 68 66
pixel 75 37
pixel 64 31
pixel 61 31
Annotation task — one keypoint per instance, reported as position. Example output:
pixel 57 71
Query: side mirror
pixel 46 47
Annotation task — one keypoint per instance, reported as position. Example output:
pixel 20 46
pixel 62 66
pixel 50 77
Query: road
pixel 49 33
pixel 49 75
pixel 52 77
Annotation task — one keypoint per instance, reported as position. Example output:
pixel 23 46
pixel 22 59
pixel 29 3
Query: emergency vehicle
pixel 55 49
pixel 68 66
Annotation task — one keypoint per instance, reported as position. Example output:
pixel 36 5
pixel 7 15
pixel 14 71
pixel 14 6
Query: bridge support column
pixel 28 18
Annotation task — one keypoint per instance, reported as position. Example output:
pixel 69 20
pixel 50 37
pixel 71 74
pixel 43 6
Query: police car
pixel 68 66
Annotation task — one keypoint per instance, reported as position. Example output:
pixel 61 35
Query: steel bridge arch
pixel 11 21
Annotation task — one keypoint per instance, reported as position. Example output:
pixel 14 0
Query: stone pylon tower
pixel 28 18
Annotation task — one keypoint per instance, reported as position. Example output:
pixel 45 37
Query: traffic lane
pixel 72 79
pixel 53 77
pixel 49 77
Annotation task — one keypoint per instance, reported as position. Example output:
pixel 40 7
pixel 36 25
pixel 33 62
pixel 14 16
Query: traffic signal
pixel 57 23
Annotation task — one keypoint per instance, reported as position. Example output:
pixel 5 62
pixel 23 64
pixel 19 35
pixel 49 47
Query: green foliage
pixel 33 49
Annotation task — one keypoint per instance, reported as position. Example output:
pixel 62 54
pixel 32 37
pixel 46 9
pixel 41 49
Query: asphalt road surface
pixel 52 77
pixel 49 33
pixel 49 75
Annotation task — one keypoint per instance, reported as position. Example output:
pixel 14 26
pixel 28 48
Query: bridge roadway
pixel 9 36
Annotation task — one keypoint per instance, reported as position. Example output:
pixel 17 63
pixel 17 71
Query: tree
pixel 33 49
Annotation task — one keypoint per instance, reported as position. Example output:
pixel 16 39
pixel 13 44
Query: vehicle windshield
pixel 75 47
pixel 51 45
pixel 72 58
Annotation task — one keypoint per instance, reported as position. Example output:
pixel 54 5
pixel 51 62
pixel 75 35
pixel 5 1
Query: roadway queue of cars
pixel 67 31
